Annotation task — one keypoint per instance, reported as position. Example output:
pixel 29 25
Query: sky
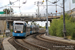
pixel 31 7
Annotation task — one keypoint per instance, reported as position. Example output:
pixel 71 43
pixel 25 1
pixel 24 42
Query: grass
pixel 69 37
pixel 1 36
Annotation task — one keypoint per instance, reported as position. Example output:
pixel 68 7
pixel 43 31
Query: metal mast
pixel 64 28
pixel 47 16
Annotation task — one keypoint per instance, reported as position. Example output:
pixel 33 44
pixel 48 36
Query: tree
pixel 7 11
pixel 56 28
pixel 34 23
pixel 27 22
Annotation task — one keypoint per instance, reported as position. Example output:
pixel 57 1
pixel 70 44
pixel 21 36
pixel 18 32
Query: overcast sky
pixel 31 8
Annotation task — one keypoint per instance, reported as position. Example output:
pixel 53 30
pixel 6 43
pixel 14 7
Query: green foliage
pixel 59 28
pixel 34 23
pixel 11 30
pixel 27 22
pixel 72 19
pixel 53 27
pixel 73 36
pixel 56 28
pixel 73 31
pixel 40 26
pixel 7 11
pixel 67 17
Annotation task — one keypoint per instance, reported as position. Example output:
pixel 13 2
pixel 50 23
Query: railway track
pixel 37 42
pixel 21 44
pixel 57 45
pixel 50 44
pixel 16 44
pixel 30 45
pixel 37 47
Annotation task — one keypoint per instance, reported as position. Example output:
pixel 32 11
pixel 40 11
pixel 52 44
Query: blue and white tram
pixel 22 29
pixel 19 29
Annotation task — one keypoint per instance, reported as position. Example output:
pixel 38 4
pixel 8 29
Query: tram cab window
pixel 19 23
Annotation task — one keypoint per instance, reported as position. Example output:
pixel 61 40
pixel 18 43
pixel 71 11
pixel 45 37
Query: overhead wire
pixel 10 3
pixel 19 7
pixel 24 2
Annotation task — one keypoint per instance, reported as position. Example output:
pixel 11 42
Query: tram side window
pixel 30 29
pixel 24 29
pixel 13 28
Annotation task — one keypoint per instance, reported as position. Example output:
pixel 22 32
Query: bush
pixel 73 31
pixel 72 19
pixel 60 29
pixel 11 30
pixel 53 27
pixel 40 26
pixel 67 17
pixel 56 28
pixel 69 28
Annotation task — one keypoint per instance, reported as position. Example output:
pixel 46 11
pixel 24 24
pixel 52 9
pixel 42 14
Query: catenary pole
pixel 64 28
pixel 47 17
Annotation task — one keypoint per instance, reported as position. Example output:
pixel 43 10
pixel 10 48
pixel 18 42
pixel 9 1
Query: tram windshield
pixel 18 26
pixel 18 23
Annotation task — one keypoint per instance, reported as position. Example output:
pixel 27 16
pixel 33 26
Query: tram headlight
pixel 21 31
pixel 15 31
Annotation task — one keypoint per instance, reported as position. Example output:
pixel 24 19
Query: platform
pixel 59 39
pixel 7 45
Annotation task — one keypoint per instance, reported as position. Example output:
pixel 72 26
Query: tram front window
pixel 18 27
